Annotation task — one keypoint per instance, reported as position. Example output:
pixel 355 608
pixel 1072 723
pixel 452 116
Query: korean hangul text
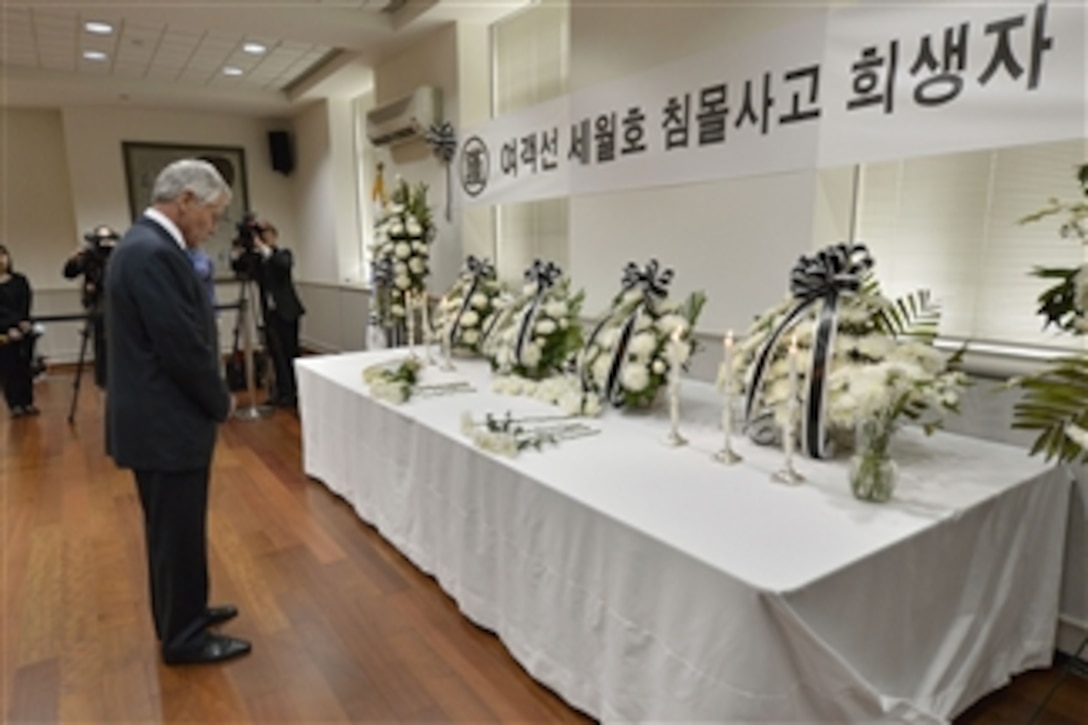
pixel 809 79
pixel 580 142
pixel 508 157
pixel 677 118
pixel 712 114
pixel 945 83
pixel 604 134
pixel 549 148
pixel 874 78
pixel 634 131
pixel 528 151
pixel 1003 53
pixel 748 109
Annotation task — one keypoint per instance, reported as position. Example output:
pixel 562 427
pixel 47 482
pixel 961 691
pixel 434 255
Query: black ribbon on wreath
pixel 443 142
pixel 544 275
pixel 825 276
pixel 479 270
pixel 654 282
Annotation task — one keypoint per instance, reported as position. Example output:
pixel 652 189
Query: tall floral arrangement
pixel 468 305
pixel 1055 401
pixel 625 359
pixel 861 358
pixel 537 334
pixel 402 251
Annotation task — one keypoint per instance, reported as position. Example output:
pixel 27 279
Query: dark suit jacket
pixel 273 276
pixel 165 392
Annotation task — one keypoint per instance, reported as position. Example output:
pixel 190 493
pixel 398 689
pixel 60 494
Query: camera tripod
pixel 88 331
pixel 243 325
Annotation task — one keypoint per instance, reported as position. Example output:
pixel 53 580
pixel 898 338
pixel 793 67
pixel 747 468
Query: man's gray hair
pixel 194 175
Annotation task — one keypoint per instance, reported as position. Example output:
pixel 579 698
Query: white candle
pixel 410 311
pixel 727 386
pixel 426 317
pixel 674 376
pixel 447 331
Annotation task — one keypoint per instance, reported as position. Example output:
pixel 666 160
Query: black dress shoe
pixel 218 615
pixel 216 648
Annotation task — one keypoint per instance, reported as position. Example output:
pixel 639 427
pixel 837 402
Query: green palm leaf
pixel 914 315
pixel 1052 400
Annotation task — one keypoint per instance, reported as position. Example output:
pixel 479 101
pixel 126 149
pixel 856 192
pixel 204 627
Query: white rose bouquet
pixel 874 358
pixel 537 334
pixel 468 305
pixel 402 251
pixel 626 360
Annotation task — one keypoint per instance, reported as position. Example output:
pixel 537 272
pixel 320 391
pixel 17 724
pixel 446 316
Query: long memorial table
pixel 644 582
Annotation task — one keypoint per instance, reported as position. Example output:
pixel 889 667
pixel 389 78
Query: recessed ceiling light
pixel 254 48
pixel 98 28
pixel 95 55
pixel 231 70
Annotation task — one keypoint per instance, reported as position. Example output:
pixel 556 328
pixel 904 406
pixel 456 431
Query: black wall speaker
pixel 281 151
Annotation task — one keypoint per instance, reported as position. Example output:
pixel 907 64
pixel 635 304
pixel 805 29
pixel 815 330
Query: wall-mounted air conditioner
pixel 405 118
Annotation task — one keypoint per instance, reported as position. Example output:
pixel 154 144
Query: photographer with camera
pixel 15 338
pixel 256 255
pixel 89 260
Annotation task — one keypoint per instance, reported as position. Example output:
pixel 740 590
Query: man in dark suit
pixel 166 398
pixel 270 266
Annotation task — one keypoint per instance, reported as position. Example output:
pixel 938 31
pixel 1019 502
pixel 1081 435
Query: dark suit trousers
pixel 175 505
pixel 283 346
pixel 15 373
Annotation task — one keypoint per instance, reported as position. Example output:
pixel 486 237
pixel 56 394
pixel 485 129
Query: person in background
pixel 15 338
pixel 166 398
pixel 89 260
pixel 205 270
pixel 270 265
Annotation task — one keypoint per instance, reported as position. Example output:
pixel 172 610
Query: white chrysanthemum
pixel 413 228
pixel 563 323
pixel 591 405
pixel 632 295
pixel 608 337
pixel 529 289
pixel 876 347
pixel 635 377
pixel 545 326
pixel 470 318
pixel 402 283
pixel 600 368
pixel 642 345
pixel 396 310
pixel 396 229
pixel 555 308
pixel 400 269
pixel 570 403
pixel 416 265
pixel 668 323
pixel 469 337
pixel 479 300
pixel 643 322
pixel 530 355
pixel 659 366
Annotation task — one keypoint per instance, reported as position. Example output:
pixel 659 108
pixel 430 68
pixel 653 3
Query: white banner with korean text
pixel 868 83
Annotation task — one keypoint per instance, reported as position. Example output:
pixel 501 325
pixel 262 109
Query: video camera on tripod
pixel 91 262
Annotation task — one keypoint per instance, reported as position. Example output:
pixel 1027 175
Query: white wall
pixel 432 61
pixel 96 167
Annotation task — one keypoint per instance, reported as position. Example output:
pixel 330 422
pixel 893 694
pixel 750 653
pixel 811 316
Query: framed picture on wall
pixel 144 161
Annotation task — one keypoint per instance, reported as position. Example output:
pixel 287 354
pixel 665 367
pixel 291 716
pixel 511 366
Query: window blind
pixel 530 65
pixel 951 224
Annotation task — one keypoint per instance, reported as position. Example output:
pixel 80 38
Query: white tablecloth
pixel 643 582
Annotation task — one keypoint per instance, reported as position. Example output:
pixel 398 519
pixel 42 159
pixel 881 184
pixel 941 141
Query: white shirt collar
pixel 165 222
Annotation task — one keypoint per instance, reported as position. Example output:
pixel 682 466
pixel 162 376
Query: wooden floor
pixel 343 627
